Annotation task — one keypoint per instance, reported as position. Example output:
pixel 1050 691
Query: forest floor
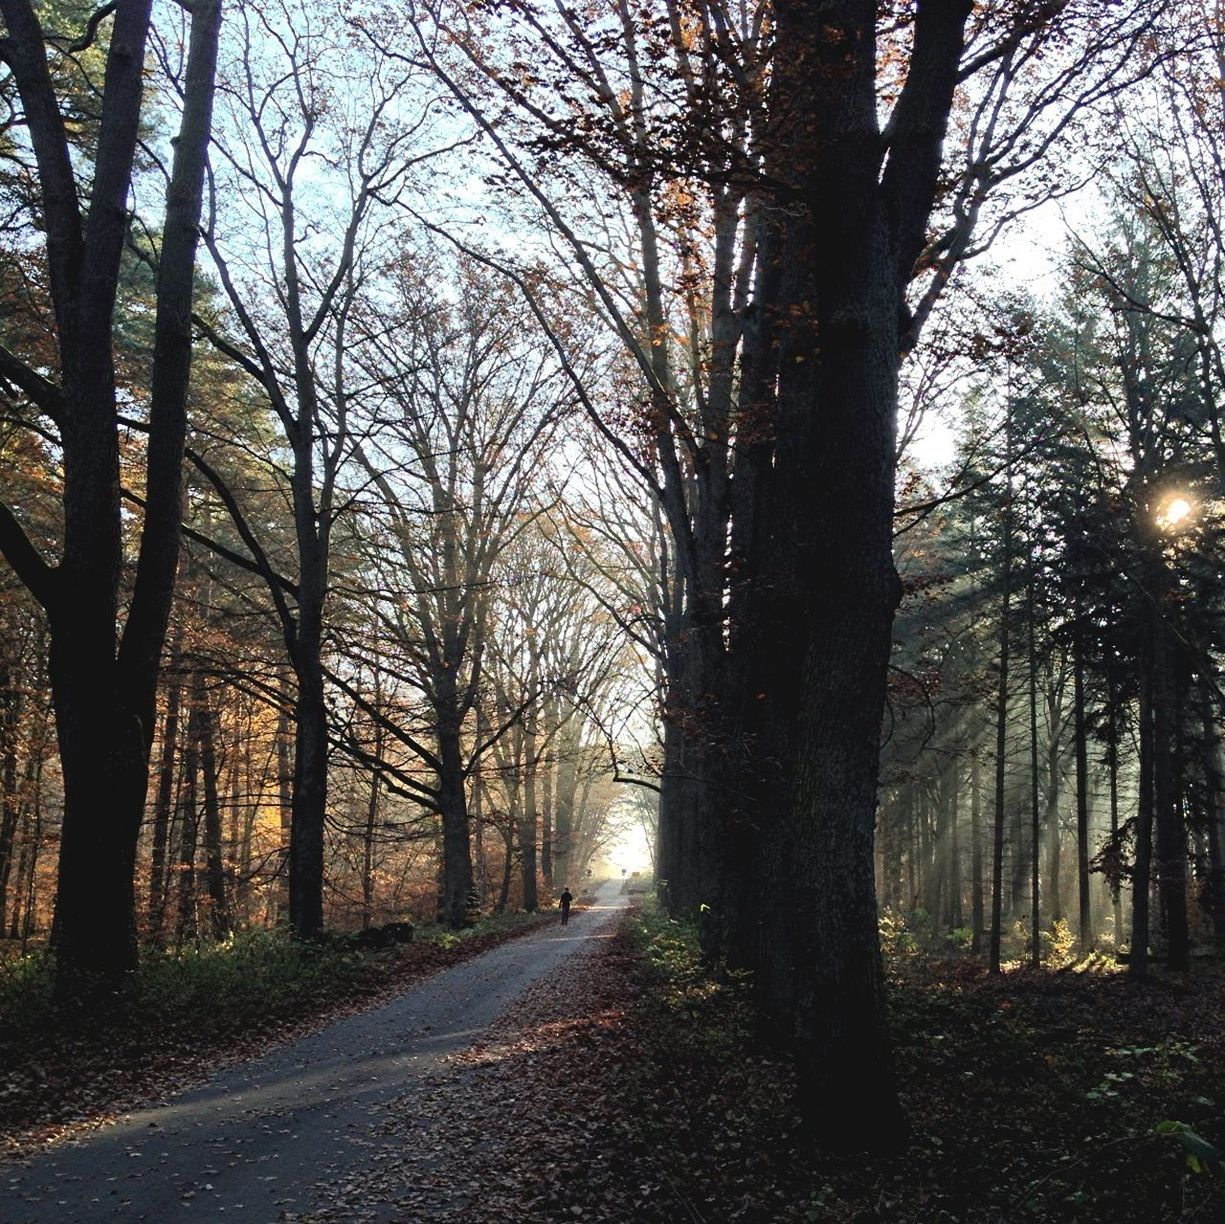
pixel 621 1085
pixel 59 1081
pixel 271 1137
pixel 629 1089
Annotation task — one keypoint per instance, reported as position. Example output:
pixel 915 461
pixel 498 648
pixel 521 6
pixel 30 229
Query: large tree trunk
pixel 827 541
pixel 456 838
pixel 824 619
pixel 308 804
pixel 103 763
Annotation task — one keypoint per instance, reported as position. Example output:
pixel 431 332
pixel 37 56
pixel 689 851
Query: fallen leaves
pixel 83 1079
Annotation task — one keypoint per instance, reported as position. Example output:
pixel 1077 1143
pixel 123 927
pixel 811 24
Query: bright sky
pixel 1026 259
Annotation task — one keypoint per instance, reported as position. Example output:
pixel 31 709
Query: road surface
pixel 262 1141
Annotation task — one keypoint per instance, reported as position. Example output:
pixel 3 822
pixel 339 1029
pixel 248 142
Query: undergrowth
pixel 1073 1097
pixel 250 976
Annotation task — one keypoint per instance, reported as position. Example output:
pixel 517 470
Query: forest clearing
pixel 754 467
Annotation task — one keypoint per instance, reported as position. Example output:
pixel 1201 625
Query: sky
pixel 1026 258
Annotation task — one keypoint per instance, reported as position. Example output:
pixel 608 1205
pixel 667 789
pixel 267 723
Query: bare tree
pixel 466 401
pixel 314 149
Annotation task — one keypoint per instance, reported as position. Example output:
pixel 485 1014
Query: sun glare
pixel 1175 512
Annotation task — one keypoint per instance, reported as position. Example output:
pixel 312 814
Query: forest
pixel 455 454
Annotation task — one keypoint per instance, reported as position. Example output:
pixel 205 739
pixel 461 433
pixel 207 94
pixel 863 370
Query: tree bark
pixel 163 802
pixel 1213 762
pixel 1084 899
pixel 214 861
pixel 977 908
pixel 1142 870
pixel 1167 804
pixel 456 839
pixel 1001 715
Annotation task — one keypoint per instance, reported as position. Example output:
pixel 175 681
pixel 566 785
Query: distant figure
pixel 566 898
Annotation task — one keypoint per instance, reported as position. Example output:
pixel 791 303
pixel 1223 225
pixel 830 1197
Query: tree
pixel 469 401
pixel 795 231
pixel 104 666
pixel 304 253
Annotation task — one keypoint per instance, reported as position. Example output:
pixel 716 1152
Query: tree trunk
pixel 104 686
pixel 977 908
pixel 372 816
pixel 1035 828
pixel 1001 720
pixel 508 863
pixel 547 774
pixel 28 834
pixel 528 817
pixel 11 703
pixel 954 919
pixel 456 839
pixel 1214 760
pixel 1167 806
pixel 309 800
pixel 1084 907
pixel 1112 766
pixel 1054 830
pixel 27 874
pixel 219 913
pixel 189 828
pixel 1142 871
pixel 284 778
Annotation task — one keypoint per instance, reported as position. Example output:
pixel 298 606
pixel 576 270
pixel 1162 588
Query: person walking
pixel 565 899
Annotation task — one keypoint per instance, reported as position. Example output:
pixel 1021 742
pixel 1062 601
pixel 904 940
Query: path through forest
pixel 265 1140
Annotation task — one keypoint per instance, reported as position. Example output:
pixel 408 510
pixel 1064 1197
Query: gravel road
pixel 265 1140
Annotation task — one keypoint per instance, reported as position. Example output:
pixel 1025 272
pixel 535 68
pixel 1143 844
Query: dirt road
pixel 262 1141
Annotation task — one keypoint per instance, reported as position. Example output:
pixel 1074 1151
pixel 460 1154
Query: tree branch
pixel 43 393
pixel 39 578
